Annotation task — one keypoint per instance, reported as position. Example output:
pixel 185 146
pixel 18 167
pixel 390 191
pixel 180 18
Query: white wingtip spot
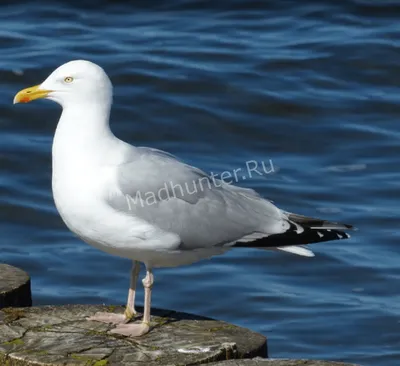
pixel 299 229
pixel 320 234
pixel 339 236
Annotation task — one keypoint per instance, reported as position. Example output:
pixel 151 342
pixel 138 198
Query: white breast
pixel 85 163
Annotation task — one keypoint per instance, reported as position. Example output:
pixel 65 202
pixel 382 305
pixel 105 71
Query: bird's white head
pixel 76 82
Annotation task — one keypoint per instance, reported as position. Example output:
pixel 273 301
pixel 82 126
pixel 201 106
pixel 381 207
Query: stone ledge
pixel 60 335
pixel 278 362
pixel 15 287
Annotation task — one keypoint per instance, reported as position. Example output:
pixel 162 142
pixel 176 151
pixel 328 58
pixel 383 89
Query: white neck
pixel 83 135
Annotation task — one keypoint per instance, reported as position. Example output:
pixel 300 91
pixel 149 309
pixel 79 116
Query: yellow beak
pixel 29 94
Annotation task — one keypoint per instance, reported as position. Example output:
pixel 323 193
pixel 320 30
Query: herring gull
pixel 121 199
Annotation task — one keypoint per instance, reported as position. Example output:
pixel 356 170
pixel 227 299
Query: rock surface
pixel 278 362
pixel 61 335
pixel 15 287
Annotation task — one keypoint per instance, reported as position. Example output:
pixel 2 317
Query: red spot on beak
pixel 25 100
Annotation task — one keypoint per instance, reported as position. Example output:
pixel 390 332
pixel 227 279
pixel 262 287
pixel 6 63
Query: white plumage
pixel 121 199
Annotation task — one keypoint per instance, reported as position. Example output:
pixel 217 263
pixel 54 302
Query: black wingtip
pixel 350 227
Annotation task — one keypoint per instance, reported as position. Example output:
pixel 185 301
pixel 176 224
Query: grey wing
pixel 182 199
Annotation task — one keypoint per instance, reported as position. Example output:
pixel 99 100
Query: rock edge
pixel 15 287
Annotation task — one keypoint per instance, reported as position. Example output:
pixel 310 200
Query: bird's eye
pixel 68 79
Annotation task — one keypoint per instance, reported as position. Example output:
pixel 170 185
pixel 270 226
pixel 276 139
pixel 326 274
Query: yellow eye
pixel 68 79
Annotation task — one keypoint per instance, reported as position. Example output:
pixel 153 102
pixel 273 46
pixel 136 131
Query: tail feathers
pixel 302 231
pixel 299 250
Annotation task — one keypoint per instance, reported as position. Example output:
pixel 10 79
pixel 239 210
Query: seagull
pixel 146 205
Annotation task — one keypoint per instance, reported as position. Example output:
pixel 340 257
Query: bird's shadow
pixel 165 317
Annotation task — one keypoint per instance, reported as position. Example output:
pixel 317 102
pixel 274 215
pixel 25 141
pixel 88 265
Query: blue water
pixel 313 86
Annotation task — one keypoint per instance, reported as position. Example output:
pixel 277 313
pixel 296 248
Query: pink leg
pixel 137 330
pixel 130 311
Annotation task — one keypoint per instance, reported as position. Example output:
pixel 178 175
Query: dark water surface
pixel 313 86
